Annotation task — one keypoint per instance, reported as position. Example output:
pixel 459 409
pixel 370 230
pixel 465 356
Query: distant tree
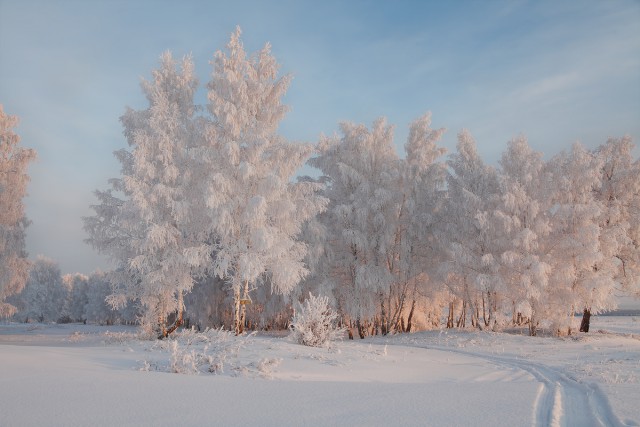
pixel 45 296
pixel 14 266
pixel 256 212
pixel 97 309
pixel 78 284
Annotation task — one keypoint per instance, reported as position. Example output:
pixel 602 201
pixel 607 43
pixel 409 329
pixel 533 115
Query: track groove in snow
pixel 561 401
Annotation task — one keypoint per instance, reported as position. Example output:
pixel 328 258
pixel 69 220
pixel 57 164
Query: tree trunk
pixel 179 318
pixel 484 312
pixel 236 312
pixel 573 315
pixel 243 306
pixel 384 324
pixel 450 317
pixel 361 329
pixel 533 325
pixel 462 320
pixel 475 316
pixel 586 318
pixel 410 318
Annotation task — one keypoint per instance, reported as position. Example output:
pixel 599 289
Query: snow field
pixel 78 375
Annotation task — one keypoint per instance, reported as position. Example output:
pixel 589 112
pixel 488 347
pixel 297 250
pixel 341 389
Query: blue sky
pixel 555 71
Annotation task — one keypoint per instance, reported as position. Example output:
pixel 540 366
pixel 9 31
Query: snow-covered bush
pixel 210 351
pixel 315 323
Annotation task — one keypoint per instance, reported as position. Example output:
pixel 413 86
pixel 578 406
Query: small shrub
pixel 315 323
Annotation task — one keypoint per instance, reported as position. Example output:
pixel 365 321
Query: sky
pixel 555 71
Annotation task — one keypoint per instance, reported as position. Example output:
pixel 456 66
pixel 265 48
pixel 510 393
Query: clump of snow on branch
pixel 315 324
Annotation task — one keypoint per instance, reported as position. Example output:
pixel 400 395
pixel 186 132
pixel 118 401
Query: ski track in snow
pixel 561 401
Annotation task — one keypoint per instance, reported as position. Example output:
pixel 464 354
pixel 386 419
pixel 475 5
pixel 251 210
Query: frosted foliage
pixel 45 297
pixel 14 266
pixel 421 148
pixel 378 233
pixel 206 194
pixel 78 285
pixel 581 275
pixel 256 212
pixel 363 172
pixel 245 93
pixel 619 193
pixel 471 228
pixel 423 179
pixel 524 210
pixel 97 310
pixel 150 232
pixel 315 323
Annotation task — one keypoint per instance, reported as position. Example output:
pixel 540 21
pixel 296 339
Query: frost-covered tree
pixel 112 229
pixel 619 221
pixel 45 295
pixel 580 278
pixel 376 243
pixel 78 299
pixel 470 232
pixel 160 136
pixel 97 310
pixel 14 266
pixel 205 195
pixel 148 232
pixel 256 212
pixel 362 172
pixel 526 199
pixel 417 250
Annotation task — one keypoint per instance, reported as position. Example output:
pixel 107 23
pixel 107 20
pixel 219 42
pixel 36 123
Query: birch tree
pixel 45 295
pixel 143 221
pixel 78 298
pixel 580 278
pixel 417 245
pixel 619 221
pixel 14 266
pixel 159 186
pixel 524 210
pixel 470 230
pixel 256 212
pixel 362 172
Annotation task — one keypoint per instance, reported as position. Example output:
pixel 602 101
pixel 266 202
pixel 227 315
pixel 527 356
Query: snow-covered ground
pixel 81 375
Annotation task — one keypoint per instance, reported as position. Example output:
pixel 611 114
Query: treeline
pixel 207 220
pixel 208 224
pixel 48 296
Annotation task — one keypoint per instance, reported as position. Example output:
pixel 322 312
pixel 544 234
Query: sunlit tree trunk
pixel 179 317
pixel 236 311
pixel 450 317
